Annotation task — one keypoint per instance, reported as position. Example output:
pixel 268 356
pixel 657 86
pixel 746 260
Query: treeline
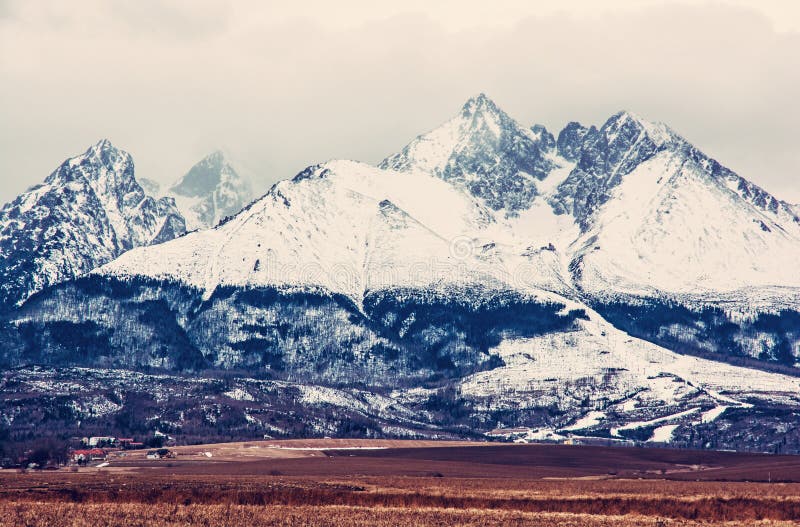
pixel 768 341
pixel 36 453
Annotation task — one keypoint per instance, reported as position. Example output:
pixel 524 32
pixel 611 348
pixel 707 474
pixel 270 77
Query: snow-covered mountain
pixel 210 191
pixel 666 227
pixel 87 212
pixel 613 282
pixel 344 226
pixel 677 223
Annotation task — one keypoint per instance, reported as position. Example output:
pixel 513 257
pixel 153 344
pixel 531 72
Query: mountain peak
pixel 103 146
pixel 479 103
pixel 96 210
pixel 217 156
pixel 626 117
pixel 606 155
pixel 209 191
pixel 204 176
pixel 657 132
pixel 483 151
pixel 626 114
pixel 100 161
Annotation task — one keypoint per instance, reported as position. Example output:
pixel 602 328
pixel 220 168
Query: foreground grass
pixel 159 498
pixel 25 513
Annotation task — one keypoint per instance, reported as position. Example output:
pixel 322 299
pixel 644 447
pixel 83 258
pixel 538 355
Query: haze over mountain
pixel 610 282
pixel 728 85
pixel 210 191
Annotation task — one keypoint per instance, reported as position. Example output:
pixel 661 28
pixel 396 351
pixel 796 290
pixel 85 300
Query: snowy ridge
pixel 345 227
pixel 671 227
pixel 629 210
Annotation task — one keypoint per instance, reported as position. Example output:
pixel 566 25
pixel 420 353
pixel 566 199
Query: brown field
pixel 289 448
pixel 411 483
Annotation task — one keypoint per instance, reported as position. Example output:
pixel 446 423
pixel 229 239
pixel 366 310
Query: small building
pixel 91 454
pixel 101 440
pixel 161 453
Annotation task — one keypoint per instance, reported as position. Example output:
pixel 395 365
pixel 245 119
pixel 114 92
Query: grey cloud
pixel 280 93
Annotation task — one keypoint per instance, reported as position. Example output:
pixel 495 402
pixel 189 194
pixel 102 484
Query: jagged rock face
pixel 624 143
pixel 660 217
pixel 546 139
pixel 210 192
pixel 570 140
pixel 603 158
pixel 484 151
pixel 87 212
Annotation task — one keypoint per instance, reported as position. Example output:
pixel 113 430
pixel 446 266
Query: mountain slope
pixel 86 213
pixel 678 249
pixel 675 227
pixel 632 385
pixel 210 191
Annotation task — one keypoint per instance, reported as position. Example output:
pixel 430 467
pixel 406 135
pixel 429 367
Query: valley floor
pixel 411 483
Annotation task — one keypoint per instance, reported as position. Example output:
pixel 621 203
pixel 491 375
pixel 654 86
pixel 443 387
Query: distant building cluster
pixel 125 443
pixel 160 453
pixel 101 447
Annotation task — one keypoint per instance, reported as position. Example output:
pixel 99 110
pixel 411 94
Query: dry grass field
pixel 410 484
pixel 163 515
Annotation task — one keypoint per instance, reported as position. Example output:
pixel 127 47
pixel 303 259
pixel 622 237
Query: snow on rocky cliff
pixel 485 151
pixel 87 212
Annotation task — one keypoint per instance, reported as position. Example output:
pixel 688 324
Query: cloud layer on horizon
pixel 279 89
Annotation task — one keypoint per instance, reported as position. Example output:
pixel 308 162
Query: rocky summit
pixel 87 212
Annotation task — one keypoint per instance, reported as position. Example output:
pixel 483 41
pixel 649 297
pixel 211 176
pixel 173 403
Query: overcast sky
pixel 281 85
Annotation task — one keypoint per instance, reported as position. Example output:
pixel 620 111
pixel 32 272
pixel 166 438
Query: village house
pixel 87 455
pixel 161 453
pixel 127 443
pixel 101 440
